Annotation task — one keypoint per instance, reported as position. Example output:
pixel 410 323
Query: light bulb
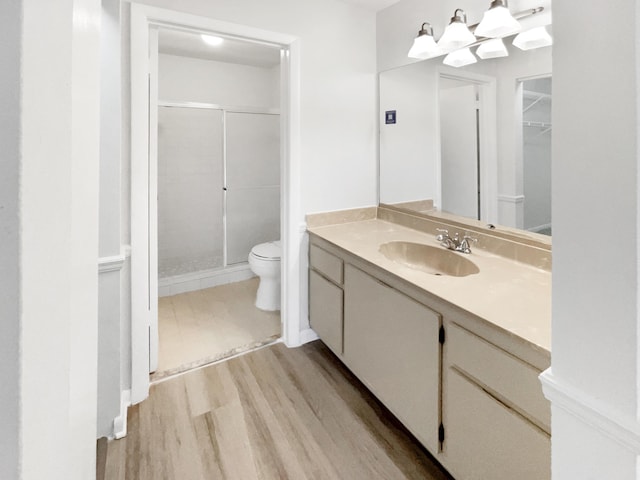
pixel 212 40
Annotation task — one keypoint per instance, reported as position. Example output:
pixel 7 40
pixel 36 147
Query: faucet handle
pixel 464 244
pixel 442 235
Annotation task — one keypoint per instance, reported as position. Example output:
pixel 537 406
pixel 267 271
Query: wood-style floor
pixel 275 413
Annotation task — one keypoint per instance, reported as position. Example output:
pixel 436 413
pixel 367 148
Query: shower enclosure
pixel 218 190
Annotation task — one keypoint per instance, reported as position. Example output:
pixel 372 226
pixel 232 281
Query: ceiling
pixel 187 44
pixel 375 5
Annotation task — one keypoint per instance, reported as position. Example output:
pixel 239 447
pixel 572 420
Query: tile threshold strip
pixel 163 376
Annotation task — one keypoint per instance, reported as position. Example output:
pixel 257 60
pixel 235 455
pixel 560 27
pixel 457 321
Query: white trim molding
pixel 144 287
pixel 308 335
pixel 621 428
pixel 120 422
pixel 111 264
pixel 114 263
pixel 511 198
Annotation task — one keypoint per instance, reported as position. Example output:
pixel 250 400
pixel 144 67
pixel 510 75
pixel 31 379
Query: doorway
pixel 467 135
pixel 218 156
pixel 144 241
pixel 460 147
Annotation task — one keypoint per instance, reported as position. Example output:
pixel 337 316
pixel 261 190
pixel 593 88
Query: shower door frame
pixel 225 109
pixel 144 247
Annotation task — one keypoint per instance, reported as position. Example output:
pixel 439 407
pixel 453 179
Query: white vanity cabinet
pixel 468 390
pixel 391 344
pixel 497 421
pixel 326 297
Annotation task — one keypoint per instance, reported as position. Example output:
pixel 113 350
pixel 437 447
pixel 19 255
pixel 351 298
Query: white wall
pixel 58 217
pixel 184 79
pixel 10 116
pixel 595 370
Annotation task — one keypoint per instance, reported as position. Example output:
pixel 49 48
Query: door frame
pixel 488 140
pixel 144 247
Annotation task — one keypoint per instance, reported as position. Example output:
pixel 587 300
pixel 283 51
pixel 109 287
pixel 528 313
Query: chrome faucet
pixel 456 243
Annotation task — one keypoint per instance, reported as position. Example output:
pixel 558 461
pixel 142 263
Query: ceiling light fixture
pixel 497 22
pixel 535 38
pixel 457 34
pixel 493 48
pixel 424 46
pixel 212 40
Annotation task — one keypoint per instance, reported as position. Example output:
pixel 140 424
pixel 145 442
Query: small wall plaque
pixel 390 117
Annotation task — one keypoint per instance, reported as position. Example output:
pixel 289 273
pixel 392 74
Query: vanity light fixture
pixel 460 58
pixel 212 40
pixel 457 34
pixel 497 22
pixel 424 46
pixel 494 48
pixel 535 38
pixel 457 37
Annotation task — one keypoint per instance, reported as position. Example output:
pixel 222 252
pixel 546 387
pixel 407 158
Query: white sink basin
pixel 429 259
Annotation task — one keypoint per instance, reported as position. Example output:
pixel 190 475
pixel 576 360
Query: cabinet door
pixel 391 344
pixel 486 440
pixel 325 311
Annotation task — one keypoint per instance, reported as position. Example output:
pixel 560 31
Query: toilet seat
pixel 269 251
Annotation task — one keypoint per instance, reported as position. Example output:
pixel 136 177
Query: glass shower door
pixel 190 190
pixel 253 182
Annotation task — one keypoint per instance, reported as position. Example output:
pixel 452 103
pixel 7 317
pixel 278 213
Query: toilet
pixel 264 261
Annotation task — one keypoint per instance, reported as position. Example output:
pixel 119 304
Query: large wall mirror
pixel 472 141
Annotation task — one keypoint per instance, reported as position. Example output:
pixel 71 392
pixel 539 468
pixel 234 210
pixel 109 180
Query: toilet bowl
pixel 264 261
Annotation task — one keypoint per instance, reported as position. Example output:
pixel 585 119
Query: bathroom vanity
pixel 454 356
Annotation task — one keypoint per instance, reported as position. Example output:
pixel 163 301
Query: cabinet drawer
pixel 484 440
pixel 329 265
pixel 511 380
pixel 325 311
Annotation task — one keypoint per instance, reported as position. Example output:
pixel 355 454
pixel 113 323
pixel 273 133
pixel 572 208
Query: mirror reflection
pixel 473 141
pixel 536 166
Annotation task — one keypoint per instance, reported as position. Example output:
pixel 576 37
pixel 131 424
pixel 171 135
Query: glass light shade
pixel 535 38
pixel 493 48
pixel 212 40
pixel 497 22
pixel 460 58
pixel 457 34
pixel 424 46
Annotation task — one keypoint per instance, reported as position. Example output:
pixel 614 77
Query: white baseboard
pixel 191 282
pixel 120 422
pixel 623 429
pixel 308 335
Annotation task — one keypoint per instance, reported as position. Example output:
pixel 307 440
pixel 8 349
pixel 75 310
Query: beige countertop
pixel 510 295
